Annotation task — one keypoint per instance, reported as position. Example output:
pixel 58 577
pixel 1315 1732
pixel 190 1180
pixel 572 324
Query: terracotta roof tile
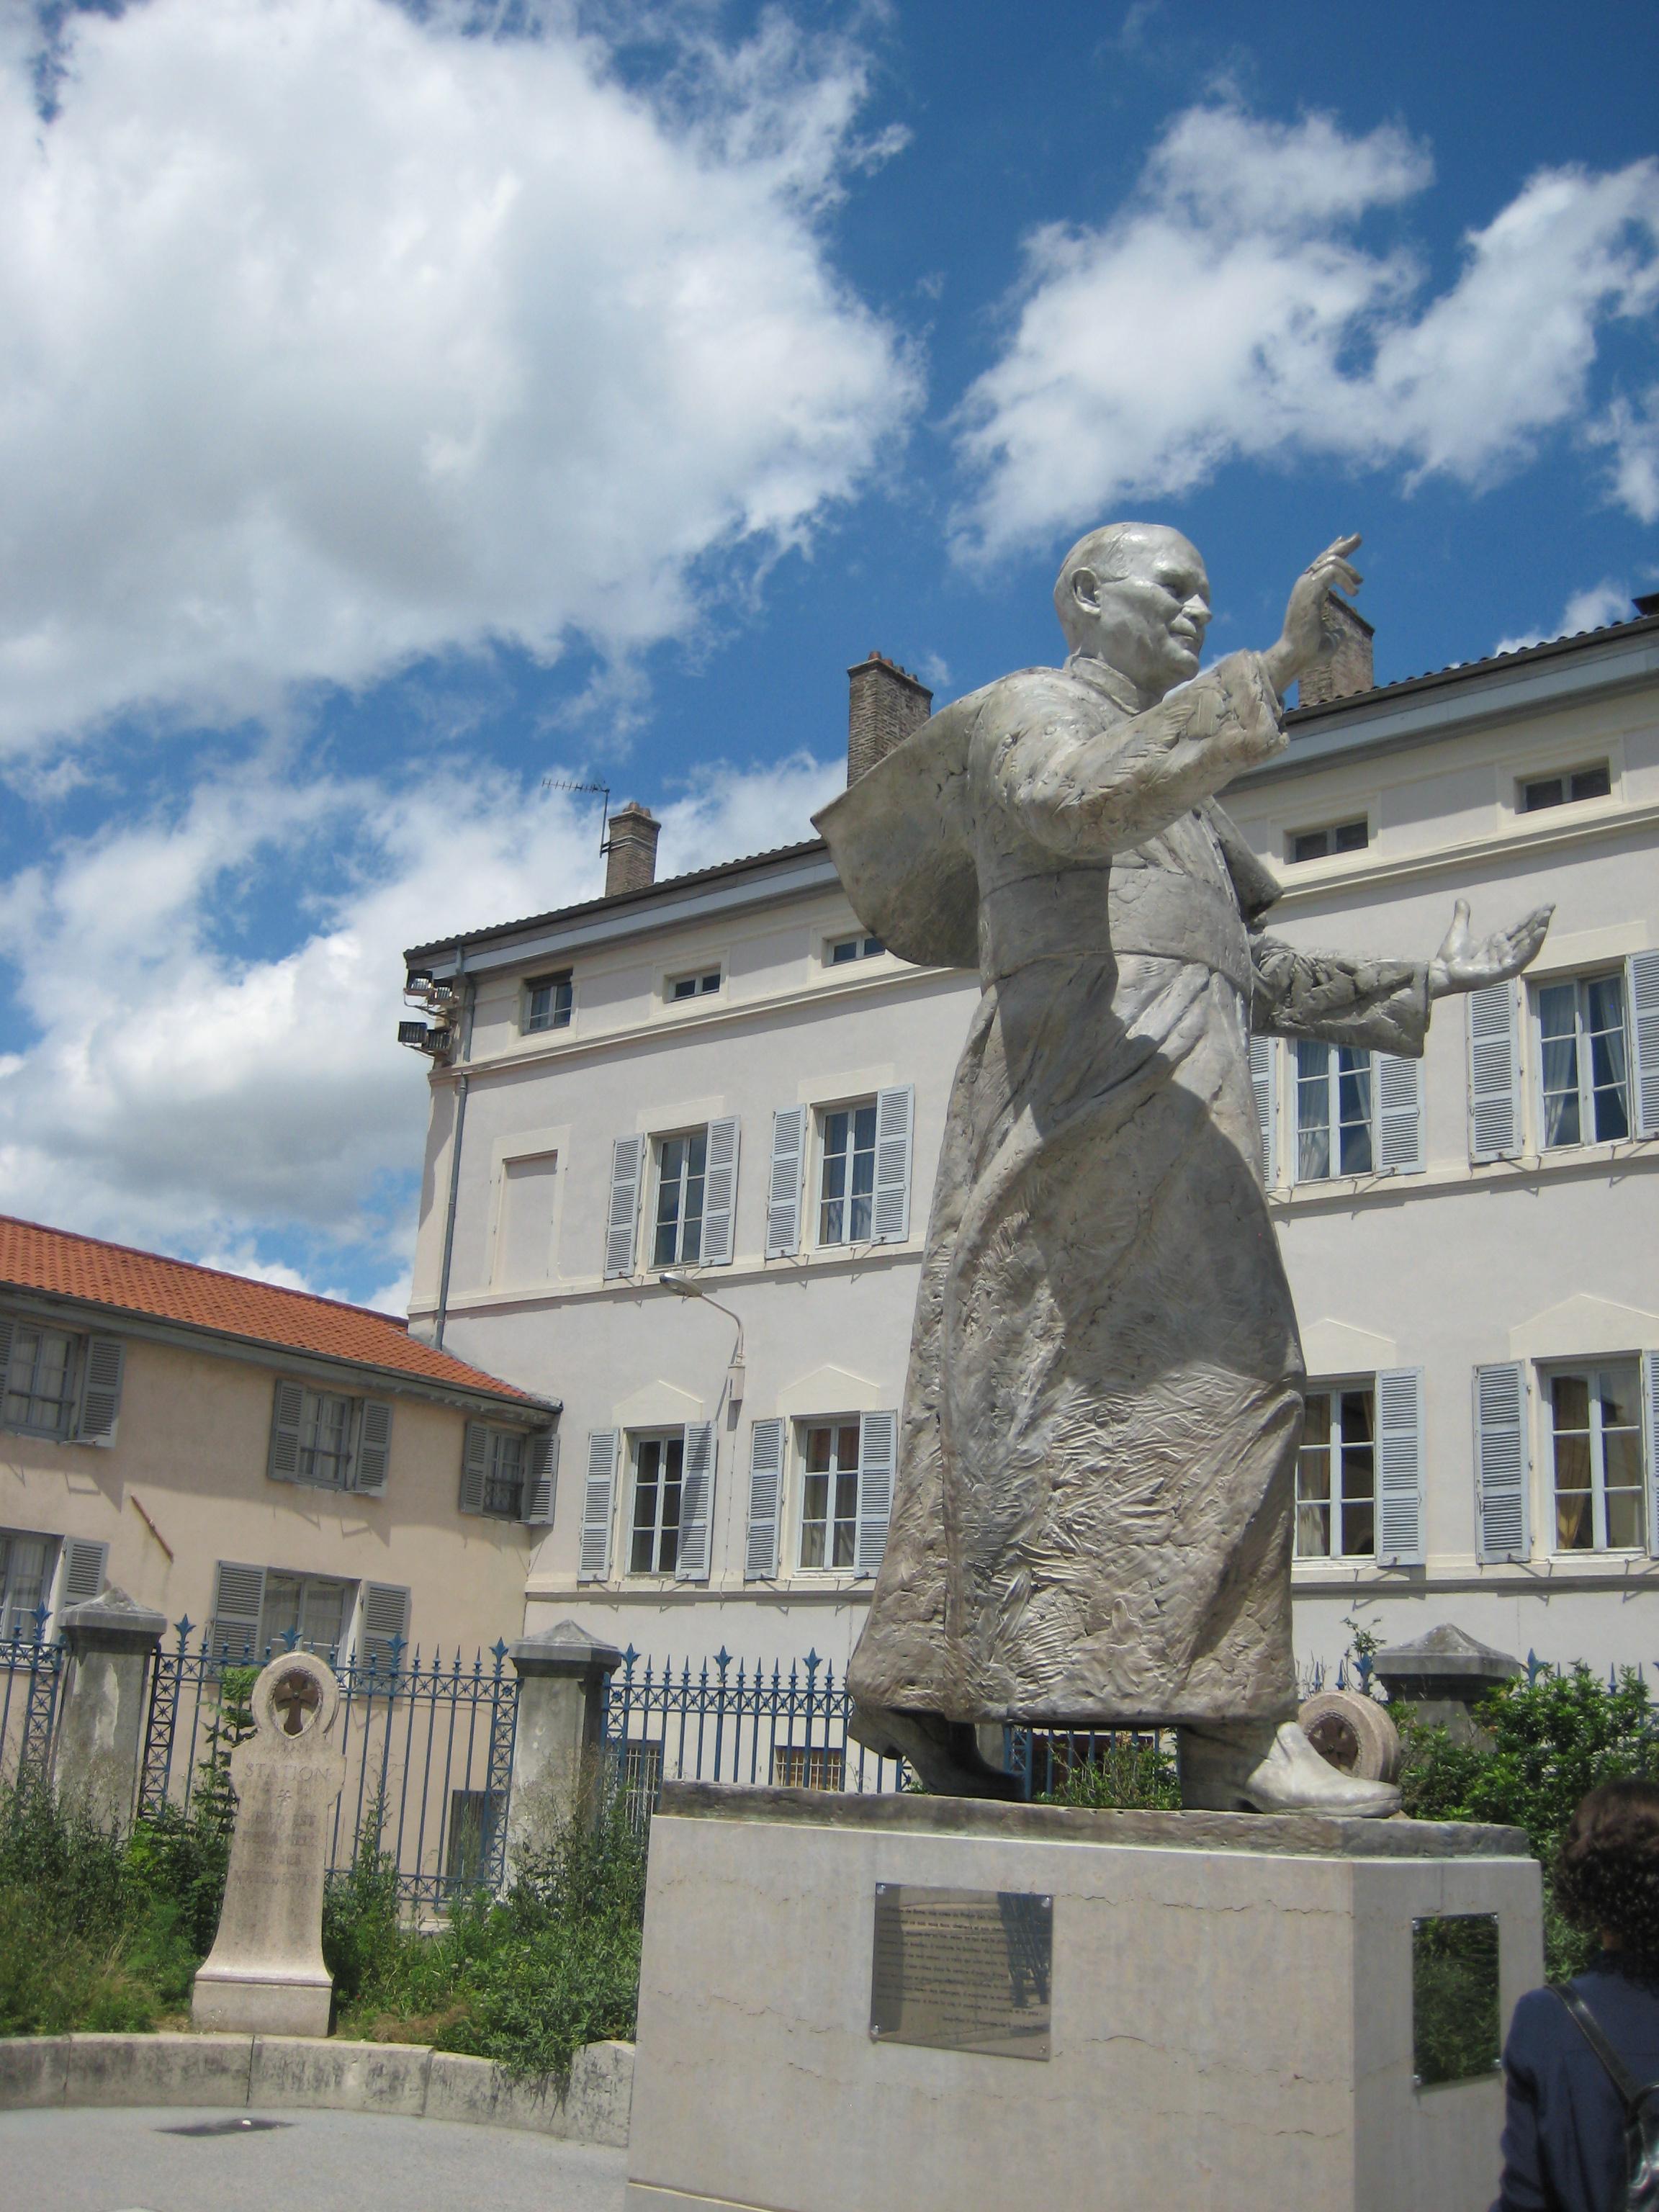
pixel 62 1265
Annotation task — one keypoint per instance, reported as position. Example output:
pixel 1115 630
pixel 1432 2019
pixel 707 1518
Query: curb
pixel 407 2079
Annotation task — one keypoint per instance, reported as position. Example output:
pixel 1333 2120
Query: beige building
pixel 682 1140
pixel 254 1458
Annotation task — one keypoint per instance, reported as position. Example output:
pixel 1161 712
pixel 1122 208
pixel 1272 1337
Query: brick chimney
pixel 885 703
pixel 1343 665
pixel 631 857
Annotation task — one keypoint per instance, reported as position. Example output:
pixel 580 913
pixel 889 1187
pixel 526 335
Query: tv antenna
pixel 598 791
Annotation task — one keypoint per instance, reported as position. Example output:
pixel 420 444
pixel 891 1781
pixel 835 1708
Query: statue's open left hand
pixel 1460 965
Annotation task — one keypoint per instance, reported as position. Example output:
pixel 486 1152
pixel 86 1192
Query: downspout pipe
pixel 462 1086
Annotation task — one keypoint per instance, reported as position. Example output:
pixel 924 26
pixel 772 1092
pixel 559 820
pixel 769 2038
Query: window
pixel 503 1488
pixel 475 1816
pixel 841 951
pixel 703 985
pixel 40 1380
pixel 324 1437
pixel 847 1178
pixel 1336 1476
pixel 313 1609
pixel 1333 1111
pixel 659 1478
pixel 1319 844
pixel 1595 1422
pixel 830 1493
pixel 257 1609
pixel 26 1564
pixel 1582 1063
pixel 547 1002
pixel 681 1169
pixel 797 1766
pixel 1566 787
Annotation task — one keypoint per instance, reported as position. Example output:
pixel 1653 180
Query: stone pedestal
pixel 110 1642
pixel 563 1674
pixel 1210 2010
pixel 265 1974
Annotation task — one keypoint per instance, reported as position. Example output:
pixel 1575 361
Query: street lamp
pixel 684 1286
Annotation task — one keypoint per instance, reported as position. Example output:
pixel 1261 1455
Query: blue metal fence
pixel 427 1744
pixel 727 1721
pixel 724 1721
pixel 30 1667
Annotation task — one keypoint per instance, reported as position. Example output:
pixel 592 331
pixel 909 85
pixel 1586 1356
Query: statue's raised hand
pixel 1304 617
pixel 1460 965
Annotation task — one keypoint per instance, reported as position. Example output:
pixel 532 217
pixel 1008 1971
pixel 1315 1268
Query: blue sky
pixel 400 409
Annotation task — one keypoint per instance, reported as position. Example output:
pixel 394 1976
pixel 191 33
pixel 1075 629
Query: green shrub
pixel 1124 1773
pixel 1548 1743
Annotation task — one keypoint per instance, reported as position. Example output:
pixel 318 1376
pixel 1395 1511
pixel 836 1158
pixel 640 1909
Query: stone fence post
pixel 1443 1677
pixel 99 1743
pixel 563 1674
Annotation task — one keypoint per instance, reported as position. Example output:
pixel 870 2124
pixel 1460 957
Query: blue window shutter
pixel 719 1189
pixel 1642 989
pixel 1494 1073
pixel 101 1391
pixel 383 1630
pixel 760 1559
pixel 895 1120
pixel 1650 1443
pixel 621 1221
pixel 233 1627
pixel 1264 1068
pixel 696 1502
pixel 1503 1460
pixel 475 1467
pixel 372 1463
pixel 541 1481
pixel 83 1572
pixel 288 1409
pixel 598 1494
pixel 1400 1467
pixel 878 1453
pixel 7 1325
pixel 783 1192
pixel 1399 1095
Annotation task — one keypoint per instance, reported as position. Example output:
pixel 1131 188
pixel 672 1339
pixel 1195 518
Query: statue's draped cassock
pixel 1092 1519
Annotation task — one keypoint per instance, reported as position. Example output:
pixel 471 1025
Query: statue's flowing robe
pixel 1092 1517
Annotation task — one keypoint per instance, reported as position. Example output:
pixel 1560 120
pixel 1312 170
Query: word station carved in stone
pixel 963 1970
pixel 265 1973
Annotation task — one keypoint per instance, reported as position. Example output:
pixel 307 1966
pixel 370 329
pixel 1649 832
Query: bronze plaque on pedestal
pixel 962 1969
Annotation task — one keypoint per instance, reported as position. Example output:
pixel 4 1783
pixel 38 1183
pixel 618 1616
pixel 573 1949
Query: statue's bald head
pixel 1135 595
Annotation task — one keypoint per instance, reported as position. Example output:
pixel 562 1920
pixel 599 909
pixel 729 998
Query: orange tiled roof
pixel 54 1260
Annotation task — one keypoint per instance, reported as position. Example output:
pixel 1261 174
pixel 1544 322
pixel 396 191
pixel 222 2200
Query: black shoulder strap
pixel 1630 2091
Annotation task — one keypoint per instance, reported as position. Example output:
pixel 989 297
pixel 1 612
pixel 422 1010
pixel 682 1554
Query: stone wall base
pixel 273 2071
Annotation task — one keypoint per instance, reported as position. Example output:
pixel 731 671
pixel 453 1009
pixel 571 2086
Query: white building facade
pixel 722 1081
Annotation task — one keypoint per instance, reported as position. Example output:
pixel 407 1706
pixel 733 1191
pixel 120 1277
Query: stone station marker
pixel 265 1973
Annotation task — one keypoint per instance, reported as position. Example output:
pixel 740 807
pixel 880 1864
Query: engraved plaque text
pixel 962 1969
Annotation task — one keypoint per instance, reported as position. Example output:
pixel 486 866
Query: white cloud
pixel 1234 310
pixel 330 335
pixel 1593 609
pixel 1631 428
pixel 177 1094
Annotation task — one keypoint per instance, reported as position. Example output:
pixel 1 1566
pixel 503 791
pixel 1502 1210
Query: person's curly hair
pixel 1607 1873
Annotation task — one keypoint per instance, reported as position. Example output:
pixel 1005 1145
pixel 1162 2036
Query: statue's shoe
pixel 1229 1772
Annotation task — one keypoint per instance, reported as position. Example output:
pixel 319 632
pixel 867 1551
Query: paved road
pixel 139 2160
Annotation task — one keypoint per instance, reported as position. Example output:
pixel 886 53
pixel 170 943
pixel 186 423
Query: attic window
pixel 702 985
pixel 1335 837
pixel 1566 787
pixel 547 1002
